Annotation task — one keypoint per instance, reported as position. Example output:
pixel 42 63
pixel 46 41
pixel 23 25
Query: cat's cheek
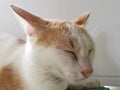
pixel 65 63
pixel 91 56
pixel 75 79
pixel 71 72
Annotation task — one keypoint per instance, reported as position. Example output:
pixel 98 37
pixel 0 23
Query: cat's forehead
pixel 62 34
pixel 69 27
pixel 81 34
pixel 58 25
pixel 72 29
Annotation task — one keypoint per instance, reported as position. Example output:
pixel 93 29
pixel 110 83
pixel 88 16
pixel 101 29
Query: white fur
pixel 40 63
pixel 39 66
pixel 32 66
pixel 36 73
pixel 84 42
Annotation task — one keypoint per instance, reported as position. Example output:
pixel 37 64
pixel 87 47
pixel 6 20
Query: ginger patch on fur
pixel 9 80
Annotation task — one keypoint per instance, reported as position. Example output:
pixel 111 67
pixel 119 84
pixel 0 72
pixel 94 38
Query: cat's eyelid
pixel 90 50
pixel 71 52
pixel 68 50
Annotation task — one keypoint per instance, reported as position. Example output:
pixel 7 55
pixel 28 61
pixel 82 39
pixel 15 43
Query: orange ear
pixel 35 23
pixel 30 18
pixel 82 19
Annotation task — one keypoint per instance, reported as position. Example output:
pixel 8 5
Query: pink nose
pixel 87 73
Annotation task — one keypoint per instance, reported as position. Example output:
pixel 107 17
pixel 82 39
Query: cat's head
pixel 63 47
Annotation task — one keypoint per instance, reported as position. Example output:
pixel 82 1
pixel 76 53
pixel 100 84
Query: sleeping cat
pixel 56 54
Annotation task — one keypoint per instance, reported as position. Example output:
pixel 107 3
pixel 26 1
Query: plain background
pixel 103 25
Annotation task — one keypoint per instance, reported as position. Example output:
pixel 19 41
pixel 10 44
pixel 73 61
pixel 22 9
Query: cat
pixel 56 54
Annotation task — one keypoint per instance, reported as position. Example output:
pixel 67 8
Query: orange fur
pixel 57 34
pixel 9 79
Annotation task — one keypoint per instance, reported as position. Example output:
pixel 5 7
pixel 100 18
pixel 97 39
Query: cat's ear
pixel 34 21
pixel 82 19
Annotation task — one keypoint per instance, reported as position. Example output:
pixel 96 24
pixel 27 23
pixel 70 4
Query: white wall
pixel 104 24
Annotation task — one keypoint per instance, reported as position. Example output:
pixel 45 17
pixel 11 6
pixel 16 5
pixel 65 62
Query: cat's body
pixel 56 54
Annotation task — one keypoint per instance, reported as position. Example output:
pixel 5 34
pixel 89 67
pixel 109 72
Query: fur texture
pixel 56 54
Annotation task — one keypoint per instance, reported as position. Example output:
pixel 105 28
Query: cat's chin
pixel 76 81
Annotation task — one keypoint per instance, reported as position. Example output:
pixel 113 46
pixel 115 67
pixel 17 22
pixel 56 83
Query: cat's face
pixel 63 46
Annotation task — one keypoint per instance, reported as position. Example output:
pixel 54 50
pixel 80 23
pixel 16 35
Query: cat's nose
pixel 87 73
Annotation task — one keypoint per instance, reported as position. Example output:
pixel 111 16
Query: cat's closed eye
pixel 72 53
pixel 90 51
